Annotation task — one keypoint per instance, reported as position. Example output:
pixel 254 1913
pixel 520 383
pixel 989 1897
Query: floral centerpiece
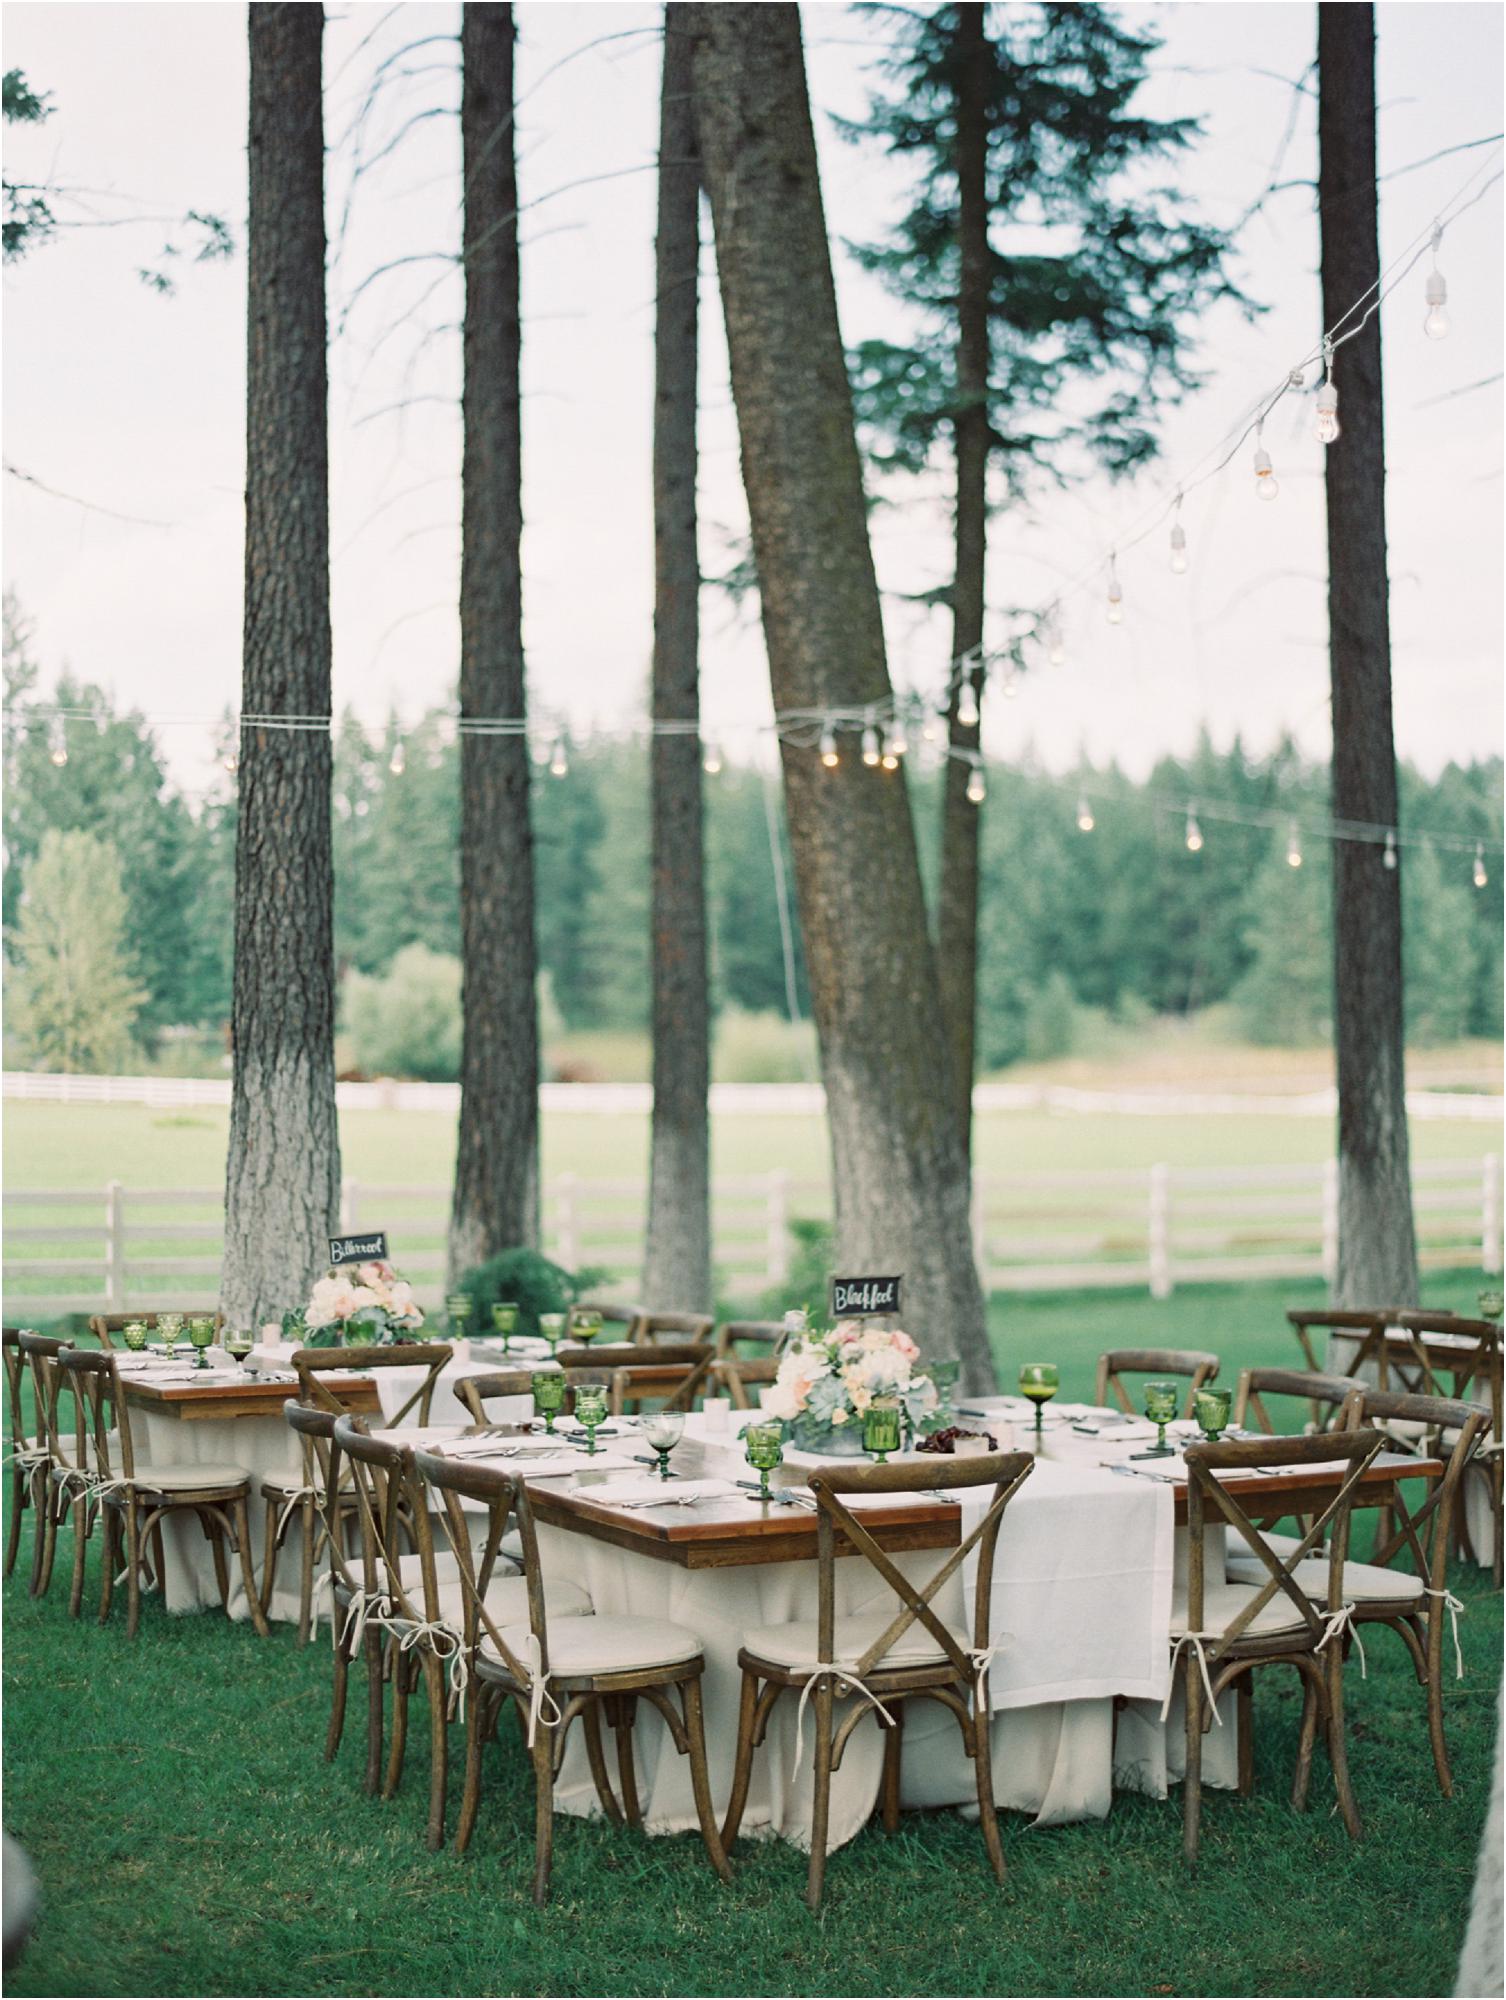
pixel 362 1305
pixel 826 1382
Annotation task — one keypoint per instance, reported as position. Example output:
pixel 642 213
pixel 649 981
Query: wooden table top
pixel 730 1533
pixel 215 1401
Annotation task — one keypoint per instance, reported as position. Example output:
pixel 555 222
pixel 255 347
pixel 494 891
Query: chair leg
pixel 1244 1723
pixel 1312 1706
pixel 241 1516
pixel 269 1556
pixel 470 1798
pixel 439 1748
pixel 700 1777
pixel 18 1484
pixel 624 1710
pixel 590 1723
pixel 821 1811
pixel 1338 1752
pixel 80 1511
pixel 308 1525
pixel 400 1685
pixel 1192 1781
pixel 983 1775
pixel 1433 1682
pixel 543 1808
pixel 337 1701
pixel 133 1566
pixel 372 1649
pixel 46 1545
pixel 110 1529
pixel 743 1766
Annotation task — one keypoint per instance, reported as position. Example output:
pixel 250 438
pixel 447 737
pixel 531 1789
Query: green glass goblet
pixel 1211 1408
pixel 1039 1381
pixel 763 1446
pixel 663 1431
pixel 458 1309
pixel 1490 1303
pixel 169 1325
pixel 584 1324
pixel 201 1338
pixel 881 1427
pixel 505 1320
pixel 552 1326
pixel 590 1410
pixel 1161 1408
pixel 549 1395
pixel 134 1333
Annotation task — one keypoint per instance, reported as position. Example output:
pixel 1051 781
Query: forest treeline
pixel 1122 918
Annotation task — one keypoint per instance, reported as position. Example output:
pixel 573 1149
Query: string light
pixel 977 786
pixel 1012 687
pixel 711 763
pixel 1056 650
pixel 559 762
pixel 1293 846
pixel 1178 549
pixel 1084 816
pixel 397 763
pixel 1327 426
pixel 231 762
pixel 1388 859
pixel 1194 833
pixel 870 742
pixel 1481 878
pixel 967 704
pixel 1116 596
pixel 899 742
pixel 57 745
pixel 1265 473
pixel 1435 292
pixel 829 756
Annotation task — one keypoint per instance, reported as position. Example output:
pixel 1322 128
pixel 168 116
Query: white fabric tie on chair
pixel 538 1690
pixel 295 1499
pixel 847 1683
pixel 982 1658
pixel 1334 1625
pixel 363 1604
pixel 1195 1641
pixel 1454 1606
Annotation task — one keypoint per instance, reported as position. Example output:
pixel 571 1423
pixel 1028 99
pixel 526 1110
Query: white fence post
pixel 777 1256
pixel 1331 1222
pixel 1160 1232
pixel 350 1206
pixel 1490 1213
pixel 978 1218
pixel 115 1248
pixel 567 1243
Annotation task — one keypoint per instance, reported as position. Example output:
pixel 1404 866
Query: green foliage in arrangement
pixel 526 1279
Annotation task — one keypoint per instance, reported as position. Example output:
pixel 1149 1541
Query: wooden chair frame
pixel 498 1675
pixel 674 1385
pixel 736 1375
pixel 58 1491
pixel 614 1312
pixel 475 1391
pixel 1317 1391
pixel 1310 1646
pixel 764 1333
pixel 30 1458
pixel 1200 1366
pixel 133 1505
pixel 312 1362
pixel 957 1681
pixel 1421 1624
pixel 694 1328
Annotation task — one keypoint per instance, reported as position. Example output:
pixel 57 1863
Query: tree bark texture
pixel 282 1181
pixel 677 1268
pixel 957 917
pixel 1377 1241
pixel 496 1199
pixel 899 1170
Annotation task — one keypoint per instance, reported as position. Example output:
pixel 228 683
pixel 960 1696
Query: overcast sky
pixel 133 403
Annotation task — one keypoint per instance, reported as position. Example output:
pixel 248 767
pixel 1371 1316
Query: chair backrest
pixel 837 1525
pixel 104 1326
pixel 1460 1355
pixel 1472 1427
pixel 601 1360
pixel 653 1326
pixel 15 1375
pixel 505 1497
pixel 391 1511
pixel 1199 1366
pixel 312 1362
pixel 475 1391
pixel 614 1312
pixel 315 1430
pixel 90 1375
pixel 759 1333
pixel 736 1375
pixel 1324 1395
pixel 40 1352
pixel 673 1384
pixel 1208 1500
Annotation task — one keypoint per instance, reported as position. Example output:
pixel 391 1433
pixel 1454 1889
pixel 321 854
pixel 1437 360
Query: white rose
pixel 779 1401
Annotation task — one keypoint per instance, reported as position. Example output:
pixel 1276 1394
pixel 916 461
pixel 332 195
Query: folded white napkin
pixel 614 1426
pixel 650 1492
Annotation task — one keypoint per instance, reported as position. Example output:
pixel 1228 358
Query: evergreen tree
pixel 72 999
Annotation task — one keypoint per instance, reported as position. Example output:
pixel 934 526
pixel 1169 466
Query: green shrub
pixel 406 1022
pixel 812 1248
pixel 532 1281
pixel 762 1048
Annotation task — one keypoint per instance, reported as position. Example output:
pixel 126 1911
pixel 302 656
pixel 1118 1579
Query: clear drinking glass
pixel 238 1346
pixel 763 1445
pixel 590 1410
pixel 552 1326
pixel 169 1325
pixel 201 1337
pixel 881 1422
pixel 1161 1408
pixel 505 1320
pixel 549 1395
pixel 663 1431
pixel 1039 1381
pixel 1211 1408
pixel 458 1309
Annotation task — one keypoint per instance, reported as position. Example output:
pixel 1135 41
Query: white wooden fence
pixel 106 1249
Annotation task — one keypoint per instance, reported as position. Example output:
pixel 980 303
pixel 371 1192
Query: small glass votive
pixel 717 1412
pixel 970 1447
pixel 1211 1408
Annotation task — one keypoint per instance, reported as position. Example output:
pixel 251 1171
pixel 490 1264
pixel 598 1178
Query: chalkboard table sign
pixel 863 1298
pixel 358 1249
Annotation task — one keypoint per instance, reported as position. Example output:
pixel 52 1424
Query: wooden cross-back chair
pixel 672 1384
pixel 557 1672
pixel 614 1312
pixel 766 1335
pixel 30 1458
pixel 1324 1395
pixel 105 1326
pixel 136 1499
pixel 1223 1632
pixel 669 1362
pixel 476 1391
pixel 881 1660
pixel 1349 1322
pixel 736 1375
pixel 429 1355
pixel 652 1328
pixel 57 1493
pixel 1199 1367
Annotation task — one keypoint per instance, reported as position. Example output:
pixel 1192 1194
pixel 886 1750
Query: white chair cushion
pixel 795 1645
pixel 1222 1604
pixel 608 1645
pixel 188 1478
pixel 68 1449
pixel 1364 1583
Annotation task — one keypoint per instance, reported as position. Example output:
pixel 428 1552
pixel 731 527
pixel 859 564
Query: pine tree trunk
pixel 677 1269
pixel 1377 1241
pixel 282 1182
pixel 899 1170
pixel 957 920
pixel 496 1199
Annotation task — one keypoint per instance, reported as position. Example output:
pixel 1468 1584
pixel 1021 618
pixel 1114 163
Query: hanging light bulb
pixel 1435 325
pixel 1481 878
pixel 1116 596
pixel 1293 846
pixel 1056 650
pixel 711 762
pixel 899 741
pixel 1012 688
pixel 967 703
pixel 540 750
pixel 1178 549
pixel 559 762
pixel 870 742
pixel 1194 833
pixel 1084 816
pixel 231 762
pixel 928 730
pixel 397 763
pixel 57 741
pixel 1265 473
pixel 829 756
pixel 889 758
pixel 1327 426
pixel 1388 859
pixel 977 788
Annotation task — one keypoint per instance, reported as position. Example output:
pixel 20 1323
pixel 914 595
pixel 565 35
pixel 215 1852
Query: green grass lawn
pixel 190 1840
